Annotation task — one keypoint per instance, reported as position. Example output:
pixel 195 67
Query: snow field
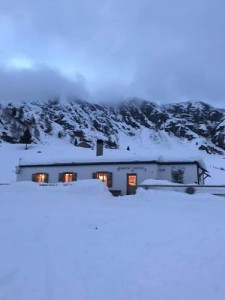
pixel 79 242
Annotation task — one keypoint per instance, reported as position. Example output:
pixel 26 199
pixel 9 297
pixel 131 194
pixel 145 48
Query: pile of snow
pixel 89 186
pixel 78 242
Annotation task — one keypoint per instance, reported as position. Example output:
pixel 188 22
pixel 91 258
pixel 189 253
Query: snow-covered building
pixel 121 172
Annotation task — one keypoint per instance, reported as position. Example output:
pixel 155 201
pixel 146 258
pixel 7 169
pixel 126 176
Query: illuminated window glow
pixel 68 177
pixel 40 177
pixel 103 177
pixel 132 180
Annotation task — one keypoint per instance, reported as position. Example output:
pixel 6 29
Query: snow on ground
pixel 78 242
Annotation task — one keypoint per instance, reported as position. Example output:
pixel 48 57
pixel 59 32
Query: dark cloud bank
pixel 164 51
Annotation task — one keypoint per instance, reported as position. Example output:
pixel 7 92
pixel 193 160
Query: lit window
pixel 132 180
pixel 67 177
pixel 102 177
pixel 40 177
pixel 131 183
pixel 105 177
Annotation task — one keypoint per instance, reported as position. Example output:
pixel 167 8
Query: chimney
pixel 99 149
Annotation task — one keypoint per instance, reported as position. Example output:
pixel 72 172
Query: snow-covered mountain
pixel 81 123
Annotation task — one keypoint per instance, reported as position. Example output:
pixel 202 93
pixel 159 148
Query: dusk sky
pixel 102 50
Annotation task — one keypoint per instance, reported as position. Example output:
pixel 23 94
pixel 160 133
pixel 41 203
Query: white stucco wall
pixel 119 177
pixel 190 172
pixel 119 173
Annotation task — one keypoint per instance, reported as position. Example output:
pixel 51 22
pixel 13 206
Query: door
pixel 131 183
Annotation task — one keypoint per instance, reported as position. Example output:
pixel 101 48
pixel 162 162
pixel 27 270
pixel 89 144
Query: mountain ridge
pixel 80 122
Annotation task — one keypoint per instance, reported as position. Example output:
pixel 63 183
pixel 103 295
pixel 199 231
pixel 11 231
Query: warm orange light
pixel 102 177
pixel 40 177
pixel 132 180
pixel 68 177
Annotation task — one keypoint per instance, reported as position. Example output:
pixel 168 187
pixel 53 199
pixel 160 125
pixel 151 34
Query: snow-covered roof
pixel 88 156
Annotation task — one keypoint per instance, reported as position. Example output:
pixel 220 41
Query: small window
pixel 105 177
pixel 132 180
pixel 67 177
pixel 40 177
pixel 177 174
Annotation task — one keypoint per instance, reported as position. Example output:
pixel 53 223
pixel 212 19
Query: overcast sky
pixel 161 50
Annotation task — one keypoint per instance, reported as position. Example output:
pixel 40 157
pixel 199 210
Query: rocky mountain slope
pixel 81 123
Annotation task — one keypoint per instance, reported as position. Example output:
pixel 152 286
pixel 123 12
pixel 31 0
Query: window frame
pixel 129 175
pixel 131 189
pixel 104 173
pixel 63 174
pixel 35 175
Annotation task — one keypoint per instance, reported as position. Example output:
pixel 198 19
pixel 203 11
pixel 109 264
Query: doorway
pixel 131 183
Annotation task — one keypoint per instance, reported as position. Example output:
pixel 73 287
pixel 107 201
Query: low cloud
pixel 39 83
